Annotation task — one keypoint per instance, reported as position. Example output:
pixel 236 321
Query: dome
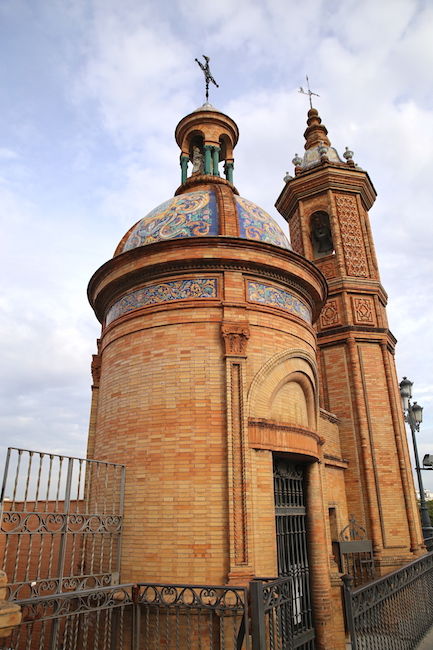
pixel 196 214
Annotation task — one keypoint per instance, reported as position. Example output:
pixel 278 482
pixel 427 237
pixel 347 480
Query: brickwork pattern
pixel 351 235
pixel 296 234
pixel 330 314
pixel 363 311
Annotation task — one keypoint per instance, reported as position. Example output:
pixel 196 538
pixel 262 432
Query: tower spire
pixel 316 133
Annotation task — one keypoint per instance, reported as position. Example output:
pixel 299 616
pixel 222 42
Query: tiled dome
pixel 195 214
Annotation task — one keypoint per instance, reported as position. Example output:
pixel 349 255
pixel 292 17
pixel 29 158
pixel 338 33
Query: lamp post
pixel 413 416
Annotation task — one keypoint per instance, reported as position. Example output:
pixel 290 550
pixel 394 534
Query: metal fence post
pixel 348 609
pixel 62 544
pixel 257 615
pixel 135 636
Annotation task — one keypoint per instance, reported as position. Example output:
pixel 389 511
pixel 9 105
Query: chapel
pixel 248 383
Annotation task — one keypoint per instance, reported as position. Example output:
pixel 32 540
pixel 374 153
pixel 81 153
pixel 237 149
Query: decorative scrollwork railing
pixel 193 616
pixel 355 553
pixel 394 611
pixel 49 586
pixel 277 617
pixel 145 615
pixel 61 523
pixel 192 596
pixel 72 604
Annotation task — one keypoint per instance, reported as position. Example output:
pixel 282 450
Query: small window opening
pixel 321 235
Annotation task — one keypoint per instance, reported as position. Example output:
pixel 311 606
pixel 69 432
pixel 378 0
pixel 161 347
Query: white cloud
pixel 89 149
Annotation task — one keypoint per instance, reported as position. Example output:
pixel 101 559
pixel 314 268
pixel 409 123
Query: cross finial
pixel 207 73
pixel 308 92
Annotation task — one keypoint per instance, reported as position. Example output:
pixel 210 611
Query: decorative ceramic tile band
pixel 188 215
pixel 274 297
pixel 255 223
pixel 155 294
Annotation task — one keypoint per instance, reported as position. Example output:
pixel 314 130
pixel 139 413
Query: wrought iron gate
pixel 61 523
pixel 294 614
pixel 355 553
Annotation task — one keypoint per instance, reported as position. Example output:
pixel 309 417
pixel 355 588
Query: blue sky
pixel 90 94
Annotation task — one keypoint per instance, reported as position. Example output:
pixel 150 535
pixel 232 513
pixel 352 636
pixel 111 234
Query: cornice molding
pixel 321 179
pixel 357 285
pixel 103 299
pixel 361 333
pixel 327 415
pixel 204 180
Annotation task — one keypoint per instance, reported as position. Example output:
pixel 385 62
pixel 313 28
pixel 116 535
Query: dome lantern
pixel 206 137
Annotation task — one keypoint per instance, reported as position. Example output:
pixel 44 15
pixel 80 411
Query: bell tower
pixel 326 205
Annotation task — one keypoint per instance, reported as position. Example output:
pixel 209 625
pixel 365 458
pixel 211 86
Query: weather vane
pixel 308 92
pixel 207 74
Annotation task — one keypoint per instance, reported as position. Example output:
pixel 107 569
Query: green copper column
pixel 207 158
pixel 184 167
pixel 228 168
pixel 216 159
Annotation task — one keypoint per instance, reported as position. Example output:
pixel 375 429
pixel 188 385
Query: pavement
pixel 427 642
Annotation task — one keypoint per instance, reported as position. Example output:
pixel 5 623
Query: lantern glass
pixel 406 388
pixel 417 412
pixel 427 461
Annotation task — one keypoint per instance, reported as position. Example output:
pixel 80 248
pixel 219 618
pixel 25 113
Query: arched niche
pixel 284 390
pixel 226 148
pixel 321 234
pixel 195 139
pixel 293 401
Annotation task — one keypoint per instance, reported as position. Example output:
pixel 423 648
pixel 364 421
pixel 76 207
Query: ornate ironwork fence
pixel 138 617
pixel 96 619
pixel 355 553
pixel 192 616
pixel 394 611
pixel 277 622
pixel 61 523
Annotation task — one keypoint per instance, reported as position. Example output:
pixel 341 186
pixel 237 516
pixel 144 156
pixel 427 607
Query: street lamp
pixel 413 416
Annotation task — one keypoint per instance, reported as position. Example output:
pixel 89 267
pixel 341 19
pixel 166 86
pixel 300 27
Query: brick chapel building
pixel 248 384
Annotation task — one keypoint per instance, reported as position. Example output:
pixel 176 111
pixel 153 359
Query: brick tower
pixel 206 384
pixel 251 430
pixel 326 205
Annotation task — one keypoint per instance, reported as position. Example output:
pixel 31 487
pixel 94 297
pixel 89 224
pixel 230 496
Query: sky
pixel 90 94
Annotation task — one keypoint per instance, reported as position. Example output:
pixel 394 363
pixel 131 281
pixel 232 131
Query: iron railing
pixel 96 619
pixel 142 617
pixel 61 523
pixel 277 623
pixel 192 616
pixel 355 553
pixel 393 612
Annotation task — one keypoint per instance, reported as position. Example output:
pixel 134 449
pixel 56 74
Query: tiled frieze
pixel 266 294
pixel 154 294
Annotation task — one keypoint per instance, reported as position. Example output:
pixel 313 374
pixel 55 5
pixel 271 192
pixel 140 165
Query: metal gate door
pixel 290 514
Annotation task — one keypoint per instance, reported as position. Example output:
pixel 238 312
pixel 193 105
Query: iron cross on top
pixel 308 92
pixel 207 73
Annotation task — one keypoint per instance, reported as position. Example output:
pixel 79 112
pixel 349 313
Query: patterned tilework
pixel 189 215
pixel 255 223
pixel 155 294
pixel 267 295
